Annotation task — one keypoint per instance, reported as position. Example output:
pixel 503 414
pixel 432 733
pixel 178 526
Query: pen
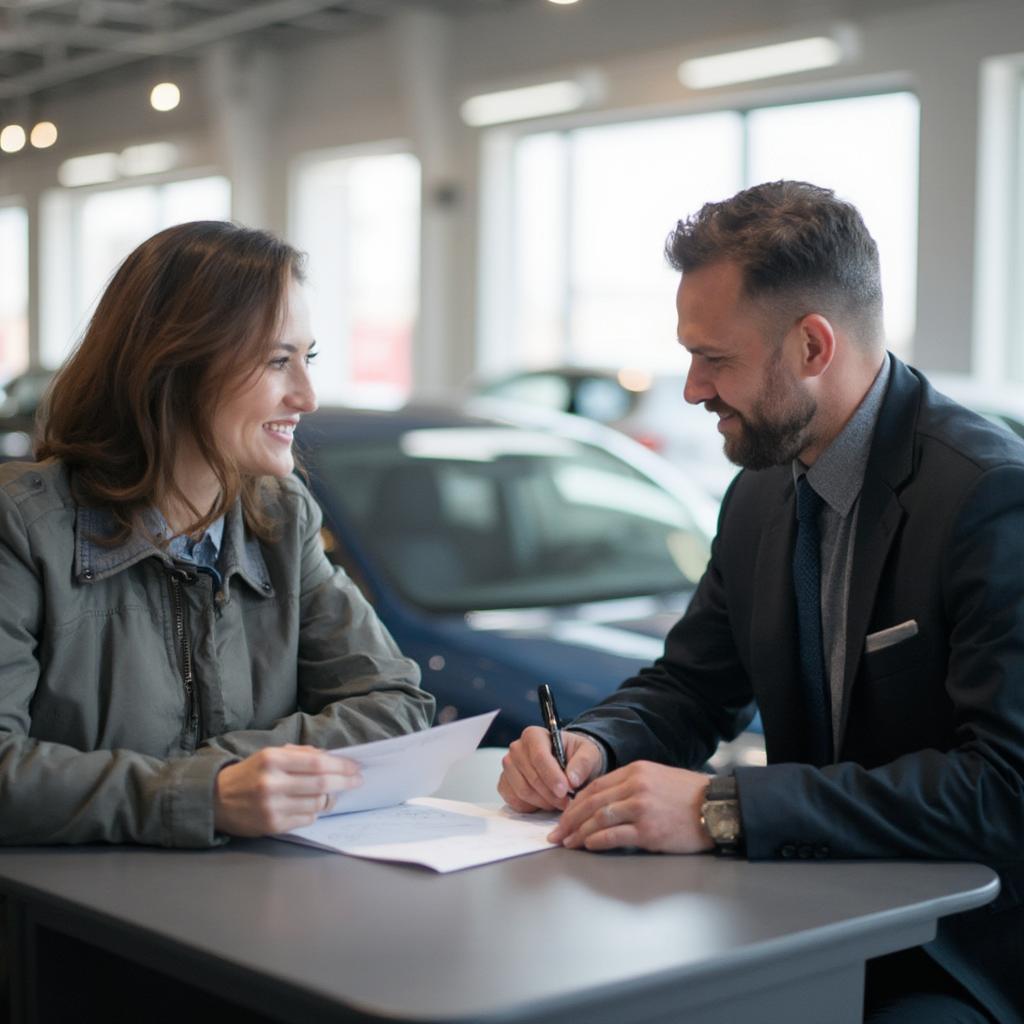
pixel 550 715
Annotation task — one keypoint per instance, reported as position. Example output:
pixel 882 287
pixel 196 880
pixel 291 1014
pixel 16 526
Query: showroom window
pixel 575 269
pixel 357 216
pixel 103 226
pixel 13 292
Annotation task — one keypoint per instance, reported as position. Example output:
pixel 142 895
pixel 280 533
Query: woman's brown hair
pixel 186 318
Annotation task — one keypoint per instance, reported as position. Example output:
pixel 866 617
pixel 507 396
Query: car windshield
pixel 478 518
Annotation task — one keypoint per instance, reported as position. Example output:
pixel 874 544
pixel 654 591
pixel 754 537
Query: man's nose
pixel 697 388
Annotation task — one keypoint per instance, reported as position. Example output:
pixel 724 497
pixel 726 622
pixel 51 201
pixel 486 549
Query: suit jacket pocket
pixel 888 661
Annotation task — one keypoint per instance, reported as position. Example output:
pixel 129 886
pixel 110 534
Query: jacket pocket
pixel 894 658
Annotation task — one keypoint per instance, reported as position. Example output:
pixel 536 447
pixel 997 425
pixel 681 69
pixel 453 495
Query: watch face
pixel 722 818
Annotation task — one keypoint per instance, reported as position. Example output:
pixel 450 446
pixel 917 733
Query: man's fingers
pixel 545 773
pixel 584 759
pixel 519 781
pixel 613 838
pixel 586 813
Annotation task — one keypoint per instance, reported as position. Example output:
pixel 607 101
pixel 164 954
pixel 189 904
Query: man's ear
pixel 817 344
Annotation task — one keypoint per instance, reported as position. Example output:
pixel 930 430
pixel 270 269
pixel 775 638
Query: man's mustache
pixel 719 407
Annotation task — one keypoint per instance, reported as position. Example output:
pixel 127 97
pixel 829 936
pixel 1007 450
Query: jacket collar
pixel 95 560
pixel 240 552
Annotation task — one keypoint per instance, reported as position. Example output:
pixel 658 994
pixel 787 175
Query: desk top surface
pixel 403 942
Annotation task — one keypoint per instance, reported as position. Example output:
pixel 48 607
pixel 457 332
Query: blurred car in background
pixel 21 395
pixel 19 399
pixel 501 557
pixel 999 403
pixel 648 407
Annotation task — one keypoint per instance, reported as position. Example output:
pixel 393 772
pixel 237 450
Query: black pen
pixel 550 715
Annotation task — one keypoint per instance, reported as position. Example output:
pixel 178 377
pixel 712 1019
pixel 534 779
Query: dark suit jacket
pixel 931 749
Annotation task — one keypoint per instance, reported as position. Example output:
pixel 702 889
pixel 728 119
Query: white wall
pixel 406 81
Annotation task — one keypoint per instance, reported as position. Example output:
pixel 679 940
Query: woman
pixel 175 649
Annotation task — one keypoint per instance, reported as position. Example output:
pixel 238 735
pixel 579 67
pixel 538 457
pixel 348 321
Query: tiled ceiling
pixel 46 44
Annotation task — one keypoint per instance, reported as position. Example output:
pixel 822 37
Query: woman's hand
pixel 279 788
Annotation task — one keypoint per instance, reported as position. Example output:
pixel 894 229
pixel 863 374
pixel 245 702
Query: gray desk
pixel 560 936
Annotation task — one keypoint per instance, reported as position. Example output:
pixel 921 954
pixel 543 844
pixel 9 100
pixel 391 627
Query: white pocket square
pixel 888 637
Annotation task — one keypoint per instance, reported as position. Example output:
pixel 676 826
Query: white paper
pixel 445 835
pixel 410 765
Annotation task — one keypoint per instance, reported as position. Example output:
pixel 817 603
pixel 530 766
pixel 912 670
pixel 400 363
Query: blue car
pixel 502 556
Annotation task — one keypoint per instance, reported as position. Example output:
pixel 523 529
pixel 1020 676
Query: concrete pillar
pixel 35 291
pixel 443 346
pixel 946 227
pixel 244 87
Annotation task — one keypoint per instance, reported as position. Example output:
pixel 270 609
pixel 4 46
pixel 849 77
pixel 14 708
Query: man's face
pixel 740 372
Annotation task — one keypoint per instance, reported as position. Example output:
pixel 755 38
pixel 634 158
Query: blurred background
pixel 484 188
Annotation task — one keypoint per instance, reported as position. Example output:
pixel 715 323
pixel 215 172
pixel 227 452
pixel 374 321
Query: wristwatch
pixel 720 814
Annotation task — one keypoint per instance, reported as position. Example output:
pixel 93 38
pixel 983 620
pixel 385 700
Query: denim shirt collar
pixel 240 552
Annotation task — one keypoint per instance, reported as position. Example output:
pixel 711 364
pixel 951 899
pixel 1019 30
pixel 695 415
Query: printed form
pixel 391 816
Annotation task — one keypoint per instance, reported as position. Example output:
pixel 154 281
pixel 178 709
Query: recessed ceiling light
pixel 151 158
pixel 44 135
pixel 527 102
pixel 93 169
pixel 12 138
pixel 760 62
pixel 164 96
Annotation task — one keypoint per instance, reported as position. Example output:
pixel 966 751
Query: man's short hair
pixel 801 250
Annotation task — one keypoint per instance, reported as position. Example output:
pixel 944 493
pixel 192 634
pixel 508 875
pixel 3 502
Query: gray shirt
pixel 838 476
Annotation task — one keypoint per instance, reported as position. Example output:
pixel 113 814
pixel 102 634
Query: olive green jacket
pixel 127 680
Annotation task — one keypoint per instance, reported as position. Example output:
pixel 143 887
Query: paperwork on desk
pixel 445 835
pixel 392 817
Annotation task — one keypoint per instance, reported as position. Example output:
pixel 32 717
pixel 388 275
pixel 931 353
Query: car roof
pixel 357 422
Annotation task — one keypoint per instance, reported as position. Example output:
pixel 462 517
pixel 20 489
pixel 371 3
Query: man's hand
pixel 644 805
pixel 279 788
pixel 531 778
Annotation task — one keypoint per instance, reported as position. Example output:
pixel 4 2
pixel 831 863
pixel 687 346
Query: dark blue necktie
pixel 807 585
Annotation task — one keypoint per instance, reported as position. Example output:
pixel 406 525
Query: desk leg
pixel 18 967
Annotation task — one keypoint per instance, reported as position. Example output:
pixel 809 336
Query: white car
pixel 650 408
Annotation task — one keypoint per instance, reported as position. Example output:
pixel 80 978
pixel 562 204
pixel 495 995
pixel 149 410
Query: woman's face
pixel 254 426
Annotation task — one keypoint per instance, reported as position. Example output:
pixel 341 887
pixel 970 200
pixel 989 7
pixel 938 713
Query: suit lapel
pixel 879 516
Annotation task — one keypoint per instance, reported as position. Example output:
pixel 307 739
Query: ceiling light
pixel 634 379
pixel 93 169
pixel 760 62
pixel 44 135
pixel 562 1
pixel 521 104
pixel 164 96
pixel 12 138
pixel 152 158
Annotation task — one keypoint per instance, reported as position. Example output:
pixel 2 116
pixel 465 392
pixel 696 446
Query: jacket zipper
pixel 177 578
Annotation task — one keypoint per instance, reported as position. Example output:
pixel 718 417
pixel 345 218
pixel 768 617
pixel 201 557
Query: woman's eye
pixel 280 363
pixel 310 356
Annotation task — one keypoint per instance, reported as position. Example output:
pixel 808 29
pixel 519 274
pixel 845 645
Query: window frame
pixel 495 322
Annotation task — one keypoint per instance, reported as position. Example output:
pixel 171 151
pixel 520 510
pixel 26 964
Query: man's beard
pixel 775 431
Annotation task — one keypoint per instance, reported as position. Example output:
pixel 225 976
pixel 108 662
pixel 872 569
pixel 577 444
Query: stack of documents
pixel 391 816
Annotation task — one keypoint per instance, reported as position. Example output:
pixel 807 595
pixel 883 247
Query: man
pixel 866 588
